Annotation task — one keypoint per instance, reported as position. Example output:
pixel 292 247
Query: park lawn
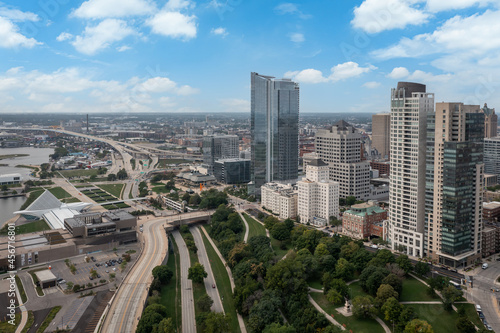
pixel 113 189
pixel 34 226
pixel 254 227
pixel 356 290
pixel 160 189
pixel 59 192
pixel 471 313
pixel 5 327
pixel 170 293
pixel 276 245
pixel 434 314
pixel 70 200
pixel 223 283
pixel 414 290
pixel 33 196
pixel 315 283
pixel 357 325
pixel 79 173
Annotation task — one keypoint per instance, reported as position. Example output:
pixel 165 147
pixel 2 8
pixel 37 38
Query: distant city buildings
pixel 490 122
pixel 216 147
pixel 274 130
pixel 410 104
pixel 318 196
pixel 492 155
pixel 454 184
pixel 340 147
pixel 280 199
pixel 381 129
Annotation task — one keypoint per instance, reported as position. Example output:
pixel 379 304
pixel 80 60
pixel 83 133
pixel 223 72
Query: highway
pixel 209 281
pixel 187 304
pixel 129 300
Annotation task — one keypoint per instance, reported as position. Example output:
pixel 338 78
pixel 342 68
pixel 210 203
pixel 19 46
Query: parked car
pixel 91 278
pixel 485 265
pixel 481 315
pixel 478 308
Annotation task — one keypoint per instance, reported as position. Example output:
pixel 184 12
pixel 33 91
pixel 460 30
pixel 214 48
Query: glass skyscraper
pixel 275 130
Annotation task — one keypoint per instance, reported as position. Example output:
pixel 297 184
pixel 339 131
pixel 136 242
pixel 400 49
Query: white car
pixel 373 246
pixel 478 308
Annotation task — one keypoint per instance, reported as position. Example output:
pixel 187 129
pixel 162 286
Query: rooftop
pixel 45 275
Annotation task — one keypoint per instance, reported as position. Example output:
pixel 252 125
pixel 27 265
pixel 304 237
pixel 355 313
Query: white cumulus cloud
pixel 339 72
pixel 398 73
pixel 18 16
pixel 173 24
pixel 442 5
pixel 98 9
pixel 64 36
pixel 374 16
pixel 11 38
pixel 96 38
pixel 220 31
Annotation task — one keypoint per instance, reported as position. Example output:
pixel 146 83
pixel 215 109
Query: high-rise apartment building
pixel 454 184
pixel 381 127
pixel 410 105
pixel 340 147
pixel 490 122
pixel 216 147
pixel 274 130
pixel 318 195
pixel 492 156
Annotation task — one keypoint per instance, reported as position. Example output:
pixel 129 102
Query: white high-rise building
pixel 318 195
pixel 279 199
pixel 410 105
pixel 340 147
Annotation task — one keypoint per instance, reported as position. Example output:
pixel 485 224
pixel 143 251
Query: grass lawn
pixel 355 290
pixel 79 173
pixel 170 293
pixel 414 290
pixel 254 227
pixel 113 189
pixel 5 327
pixel 471 313
pixel 48 319
pixel 315 283
pixel 160 189
pixel 29 227
pixel 39 290
pixel 70 200
pixel 440 320
pixel 223 283
pixel 59 192
pixel 357 325
pixel 20 287
pixel 276 245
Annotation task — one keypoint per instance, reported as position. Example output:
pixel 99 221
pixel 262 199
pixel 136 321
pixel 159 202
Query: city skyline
pixel 195 56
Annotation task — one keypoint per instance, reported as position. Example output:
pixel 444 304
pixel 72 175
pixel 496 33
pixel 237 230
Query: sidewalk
pixel 320 309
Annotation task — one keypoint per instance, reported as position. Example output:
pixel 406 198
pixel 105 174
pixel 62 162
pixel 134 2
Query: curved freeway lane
pixel 210 279
pixel 128 301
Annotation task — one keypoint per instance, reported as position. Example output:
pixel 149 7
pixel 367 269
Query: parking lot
pixel 83 268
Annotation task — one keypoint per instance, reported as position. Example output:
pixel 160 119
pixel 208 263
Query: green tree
pixel 278 328
pixel 205 302
pixel 344 269
pixel 93 273
pixel 166 325
pixel 186 197
pixel 270 221
pixel 194 200
pixel 392 310
pixel 418 326
pixel 122 174
pixel 422 268
pixel 407 315
pixel 385 292
pixel 464 325
pixel 321 250
pixel 439 282
pixel 217 322
pixel 404 262
pixel 333 296
pixel 170 185
pixel 289 224
pixel 264 313
pixel 347 251
pixel 362 306
pixel 280 231
pixel 450 295
pixel 162 273
pixel 395 282
pixel 197 273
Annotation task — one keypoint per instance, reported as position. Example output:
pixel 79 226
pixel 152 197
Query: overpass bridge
pixel 187 219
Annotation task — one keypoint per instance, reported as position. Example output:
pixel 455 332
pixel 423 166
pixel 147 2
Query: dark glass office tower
pixel 275 130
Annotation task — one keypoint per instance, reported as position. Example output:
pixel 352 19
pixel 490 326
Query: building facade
pixel 492 155
pixel 410 104
pixel 216 147
pixel 488 241
pixel 363 220
pixel 274 125
pixel 232 171
pixel 318 196
pixel 381 126
pixel 279 199
pixel 454 186
pixel 340 147
pixel 383 167
pixel 490 122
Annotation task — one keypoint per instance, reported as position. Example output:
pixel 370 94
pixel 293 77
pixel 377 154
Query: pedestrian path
pixel 328 317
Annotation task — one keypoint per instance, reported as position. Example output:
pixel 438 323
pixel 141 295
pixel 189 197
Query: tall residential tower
pixel 381 128
pixel 410 105
pixel 274 130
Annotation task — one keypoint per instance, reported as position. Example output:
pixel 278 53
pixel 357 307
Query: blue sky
pixel 196 56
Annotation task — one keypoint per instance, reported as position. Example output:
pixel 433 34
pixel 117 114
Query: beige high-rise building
pixel 454 184
pixel 410 104
pixel 381 127
pixel 340 146
pixel 490 122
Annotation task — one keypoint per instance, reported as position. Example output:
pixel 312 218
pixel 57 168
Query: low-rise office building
pixel 93 224
pixel 364 220
pixel 232 170
pixel 11 178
